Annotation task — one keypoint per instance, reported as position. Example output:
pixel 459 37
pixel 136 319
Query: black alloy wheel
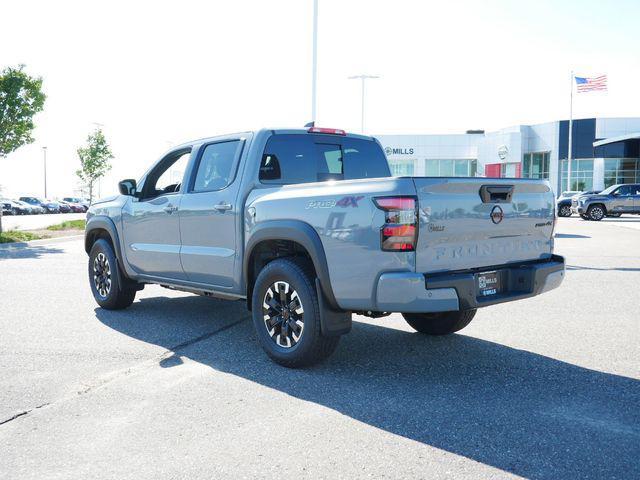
pixel 102 275
pixel 283 314
pixel 106 280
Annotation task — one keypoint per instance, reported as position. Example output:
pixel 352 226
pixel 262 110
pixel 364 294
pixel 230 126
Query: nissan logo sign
pixel 496 214
pixel 503 152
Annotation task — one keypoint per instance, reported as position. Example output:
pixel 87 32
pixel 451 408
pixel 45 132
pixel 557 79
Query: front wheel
pixel 442 323
pixel 596 213
pixel 564 211
pixel 105 280
pixel 286 315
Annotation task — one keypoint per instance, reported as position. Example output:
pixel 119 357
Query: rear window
pixel 301 158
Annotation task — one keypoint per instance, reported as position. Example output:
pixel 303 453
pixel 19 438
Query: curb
pixel 35 243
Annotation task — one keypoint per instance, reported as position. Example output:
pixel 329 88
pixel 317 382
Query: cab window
pixel 305 158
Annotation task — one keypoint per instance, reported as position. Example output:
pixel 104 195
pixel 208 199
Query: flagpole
pixel 570 151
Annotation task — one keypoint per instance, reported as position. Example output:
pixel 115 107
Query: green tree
pixel 95 160
pixel 21 98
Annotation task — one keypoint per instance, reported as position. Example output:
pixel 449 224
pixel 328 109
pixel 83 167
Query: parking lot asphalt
pixel 177 387
pixel 33 222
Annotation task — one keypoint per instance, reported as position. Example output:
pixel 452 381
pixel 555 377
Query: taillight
pixel 328 131
pixel 400 231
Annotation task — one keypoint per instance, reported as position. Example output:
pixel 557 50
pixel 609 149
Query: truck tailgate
pixel 470 223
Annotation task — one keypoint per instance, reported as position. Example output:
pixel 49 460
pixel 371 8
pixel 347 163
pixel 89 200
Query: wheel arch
pixel 286 233
pixel 598 204
pixel 101 227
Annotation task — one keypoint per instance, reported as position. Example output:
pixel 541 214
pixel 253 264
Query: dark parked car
pixel 63 207
pixel 78 201
pixel 74 207
pixel 47 205
pixel 20 208
pixel 32 209
pixel 6 207
pixel 564 202
pixel 51 206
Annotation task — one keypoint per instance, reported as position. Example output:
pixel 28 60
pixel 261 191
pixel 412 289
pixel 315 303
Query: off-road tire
pixel 311 347
pixel 443 323
pixel 596 212
pixel 116 296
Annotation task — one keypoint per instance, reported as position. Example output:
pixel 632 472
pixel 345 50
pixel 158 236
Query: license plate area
pixel 489 284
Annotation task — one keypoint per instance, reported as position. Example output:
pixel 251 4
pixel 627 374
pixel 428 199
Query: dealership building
pixel 605 151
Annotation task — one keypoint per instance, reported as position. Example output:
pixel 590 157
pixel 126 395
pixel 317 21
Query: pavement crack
pixel 22 413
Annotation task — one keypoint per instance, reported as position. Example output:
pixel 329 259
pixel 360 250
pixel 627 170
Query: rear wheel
pixel 286 315
pixel 596 212
pixel 564 211
pixel 105 279
pixel 442 323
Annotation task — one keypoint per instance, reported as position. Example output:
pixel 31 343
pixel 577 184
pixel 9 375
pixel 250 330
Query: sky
pixel 156 74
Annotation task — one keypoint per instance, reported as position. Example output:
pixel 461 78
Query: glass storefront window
pixel 401 169
pixel 446 168
pixel 461 168
pixel 621 170
pixel 473 168
pixel 581 175
pixel 535 165
pixel 508 170
pixel 451 168
pixel 432 168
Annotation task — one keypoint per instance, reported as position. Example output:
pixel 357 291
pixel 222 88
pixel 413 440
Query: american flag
pixel 586 84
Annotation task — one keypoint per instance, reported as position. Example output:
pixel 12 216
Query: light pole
pixel 44 152
pixel 314 61
pixel 363 78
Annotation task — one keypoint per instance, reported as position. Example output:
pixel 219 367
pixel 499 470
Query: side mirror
pixel 127 187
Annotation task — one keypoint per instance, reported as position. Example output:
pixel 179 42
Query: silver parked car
pixel 613 202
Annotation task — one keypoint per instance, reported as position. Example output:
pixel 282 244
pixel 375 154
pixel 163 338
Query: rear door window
pixel 302 158
pixel 215 169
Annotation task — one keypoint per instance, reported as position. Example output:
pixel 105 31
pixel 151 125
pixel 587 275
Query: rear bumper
pixel 442 292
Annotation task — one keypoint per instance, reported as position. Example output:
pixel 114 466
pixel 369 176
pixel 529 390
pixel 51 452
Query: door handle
pixel 170 209
pixel 222 206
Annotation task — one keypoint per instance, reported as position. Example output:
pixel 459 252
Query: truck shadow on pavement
pixel 604 269
pixel 13 252
pixel 515 410
pixel 570 235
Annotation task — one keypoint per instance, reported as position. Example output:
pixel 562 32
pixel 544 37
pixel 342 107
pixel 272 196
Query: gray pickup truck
pixel 308 226
pixel 611 202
